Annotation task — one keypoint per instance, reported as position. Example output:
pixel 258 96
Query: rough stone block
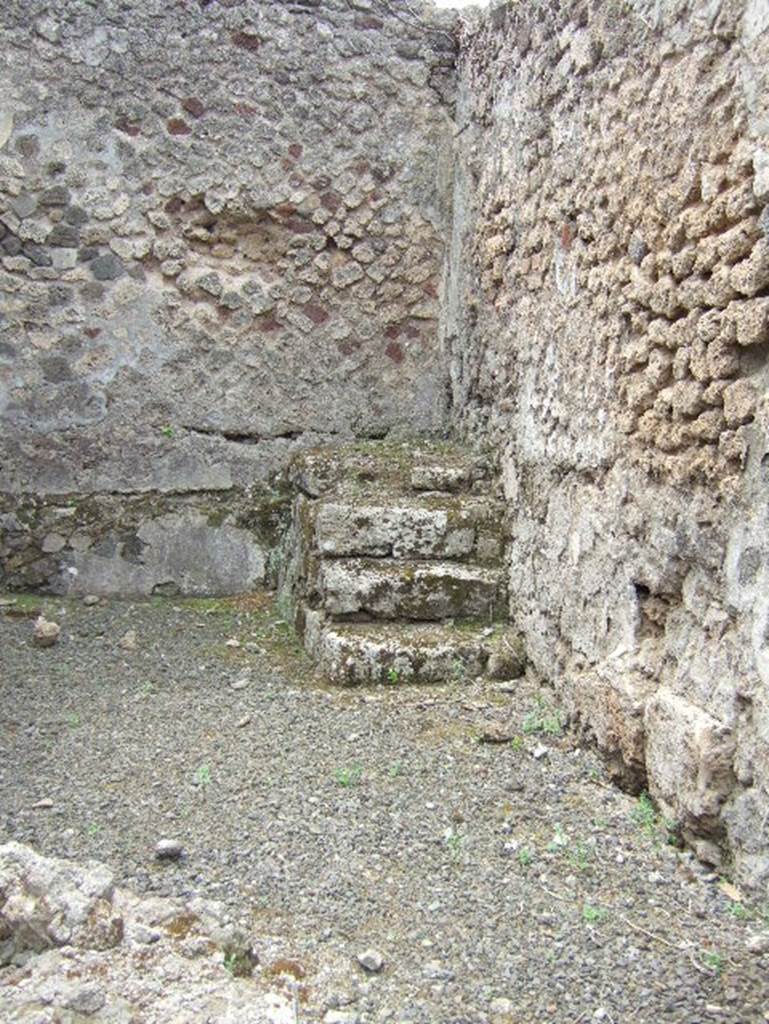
pixel 393 590
pixel 689 757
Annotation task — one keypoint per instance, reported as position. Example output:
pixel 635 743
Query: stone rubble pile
pixel 75 947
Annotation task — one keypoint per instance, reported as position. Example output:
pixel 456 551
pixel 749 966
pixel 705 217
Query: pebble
pixel 341 1017
pixel 86 1000
pixel 758 943
pixel 42 805
pixel 435 969
pixel 540 751
pixel 168 849
pixel 501 1005
pixel 145 935
pixel 244 721
pixel 46 633
pixel 240 684
pixel 495 733
pixel 90 600
pixel 371 960
pixel 128 640
pixel 232 642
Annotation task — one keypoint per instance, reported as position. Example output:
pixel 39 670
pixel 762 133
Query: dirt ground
pixel 459 831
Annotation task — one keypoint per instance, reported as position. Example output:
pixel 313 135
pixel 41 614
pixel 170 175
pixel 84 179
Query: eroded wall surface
pixel 608 324
pixel 222 238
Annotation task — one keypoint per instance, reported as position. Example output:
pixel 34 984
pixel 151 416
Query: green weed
pixel 579 856
pixel 349 776
pixel 591 914
pixel 543 719
pixel 714 961
pixel 559 840
pixel 458 670
pixel 454 841
pixel 739 911
pixel 203 776
pixel 652 824
pixel 525 857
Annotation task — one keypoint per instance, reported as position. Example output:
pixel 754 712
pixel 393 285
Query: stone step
pixel 446 527
pixel 397 467
pixel 395 653
pixel 421 591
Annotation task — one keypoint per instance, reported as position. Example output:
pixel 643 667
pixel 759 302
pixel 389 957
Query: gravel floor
pixel 498 886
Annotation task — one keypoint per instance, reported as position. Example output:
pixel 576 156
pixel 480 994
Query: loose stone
pixel 168 849
pixel 371 960
pixel 46 633
pixel 758 943
pixel 128 641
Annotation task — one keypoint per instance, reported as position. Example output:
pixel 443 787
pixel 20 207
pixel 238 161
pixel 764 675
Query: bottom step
pixel 394 653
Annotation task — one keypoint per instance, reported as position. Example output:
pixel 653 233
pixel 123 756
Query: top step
pixel 384 466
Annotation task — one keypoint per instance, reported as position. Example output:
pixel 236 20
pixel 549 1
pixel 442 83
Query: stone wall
pixel 222 239
pixel 608 325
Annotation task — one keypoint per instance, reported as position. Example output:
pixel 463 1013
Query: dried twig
pixel 648 934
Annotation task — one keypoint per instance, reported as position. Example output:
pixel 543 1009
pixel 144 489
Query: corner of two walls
pixel 221 240
pixel 608 330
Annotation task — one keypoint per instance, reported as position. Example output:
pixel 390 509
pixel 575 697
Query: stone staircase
pixel 394 568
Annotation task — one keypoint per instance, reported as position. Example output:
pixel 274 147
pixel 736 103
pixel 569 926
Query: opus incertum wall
pixel 608 321
pixel 222 239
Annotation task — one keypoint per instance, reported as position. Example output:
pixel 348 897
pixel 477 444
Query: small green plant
pixel 653 825
pixel 738 910
pixel 94 829
pixel 395 770
pixel 579 856
pixel 542 719
pixel 517 743
pixel 238 963
pixel 525 857
pixel 458 670
pixel 591 914
pixel 203 776
pixel 349 776
pixel 559 840
pixel 393 676
pixel 645 815
pixel 714 961
pixel 167 430
pixel 454 842
pixel 73 719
